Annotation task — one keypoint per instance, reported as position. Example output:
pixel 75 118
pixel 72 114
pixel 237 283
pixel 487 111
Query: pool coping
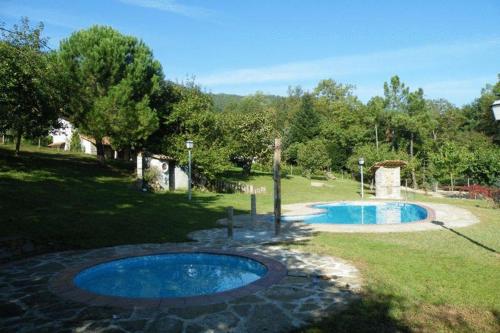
pixel 302 209
pixel 62 284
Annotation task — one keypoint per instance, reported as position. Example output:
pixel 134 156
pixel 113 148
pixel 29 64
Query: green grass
pixel 433 281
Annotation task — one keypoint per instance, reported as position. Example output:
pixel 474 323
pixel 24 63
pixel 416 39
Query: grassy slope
pixel 425 281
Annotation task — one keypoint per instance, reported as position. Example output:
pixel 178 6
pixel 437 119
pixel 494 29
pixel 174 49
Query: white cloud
pixel 393 61
pixel 171 6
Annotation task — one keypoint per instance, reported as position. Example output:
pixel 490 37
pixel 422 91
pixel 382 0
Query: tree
pixel 112 85
pixel 250 131
pixel 192 117
pixel 371 156
pixel 450 161
pixel 312 156
pixel 305 124
pixel 29 104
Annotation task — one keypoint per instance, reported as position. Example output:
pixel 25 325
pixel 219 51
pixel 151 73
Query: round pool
pixel 170 275
pixel 364 213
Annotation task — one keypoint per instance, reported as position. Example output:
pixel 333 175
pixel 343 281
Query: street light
pixel 361 161
pixel 495 107
pixel 189 146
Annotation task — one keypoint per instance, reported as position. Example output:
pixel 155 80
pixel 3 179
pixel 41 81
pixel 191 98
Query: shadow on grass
pixel 66 202
pixel 370 313
pixel 441 224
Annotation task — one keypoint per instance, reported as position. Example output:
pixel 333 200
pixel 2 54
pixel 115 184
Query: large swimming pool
pixel 364 213
pixel 170 275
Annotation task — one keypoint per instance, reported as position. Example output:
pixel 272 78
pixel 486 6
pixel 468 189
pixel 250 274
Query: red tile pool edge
pixel 62 283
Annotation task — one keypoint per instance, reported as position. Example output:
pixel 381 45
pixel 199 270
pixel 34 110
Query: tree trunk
pixel 451 181
pixel 411 145
pixel 100 150
pixel 3 139
pixel 413 175
pixel 19 135
pixel 247 167
pixel 414 179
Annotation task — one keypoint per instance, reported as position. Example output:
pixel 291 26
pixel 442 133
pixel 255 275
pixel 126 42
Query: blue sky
pixel 451 49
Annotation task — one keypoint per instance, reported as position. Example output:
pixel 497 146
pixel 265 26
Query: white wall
pixel 181 177
pixel 63 134
pixel 88 147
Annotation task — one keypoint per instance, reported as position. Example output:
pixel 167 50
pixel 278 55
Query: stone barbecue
pixel 388 179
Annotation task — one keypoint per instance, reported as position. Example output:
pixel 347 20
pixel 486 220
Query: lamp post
pixel 361 161
pixel 189 146
pixel 495 107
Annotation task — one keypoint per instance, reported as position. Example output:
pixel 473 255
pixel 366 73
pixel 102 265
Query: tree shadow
pixel 442 225
pixel 369 313
pixel 64 202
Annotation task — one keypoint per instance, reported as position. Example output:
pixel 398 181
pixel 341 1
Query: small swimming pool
pixel 170 275
pixel 364 213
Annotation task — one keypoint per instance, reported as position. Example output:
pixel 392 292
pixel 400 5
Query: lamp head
pixel 361 161
pixel 495 107
pixel 189 144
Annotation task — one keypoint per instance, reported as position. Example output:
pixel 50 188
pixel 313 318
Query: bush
pixel 152 178
pixel 75 144
pixel 313 157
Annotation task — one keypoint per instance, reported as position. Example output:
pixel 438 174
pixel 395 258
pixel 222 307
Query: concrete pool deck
pixel 446 215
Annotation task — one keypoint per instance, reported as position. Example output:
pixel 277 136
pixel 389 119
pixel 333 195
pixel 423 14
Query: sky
pixel 449 48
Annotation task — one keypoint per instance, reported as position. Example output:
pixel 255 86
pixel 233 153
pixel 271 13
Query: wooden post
pixel 253 207
pixel 230 213
pixel 277 186
pixel 406 189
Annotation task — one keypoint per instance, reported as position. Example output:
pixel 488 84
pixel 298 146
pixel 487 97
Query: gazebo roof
pixel 388 164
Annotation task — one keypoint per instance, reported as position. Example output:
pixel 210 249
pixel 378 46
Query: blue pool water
pixel 170 275
pixel 377 213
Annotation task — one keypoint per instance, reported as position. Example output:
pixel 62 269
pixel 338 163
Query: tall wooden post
pixel 230 214
pixel 277 186
pixel 253 207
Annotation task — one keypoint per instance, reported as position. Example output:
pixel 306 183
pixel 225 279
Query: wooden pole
pixel 376 136
pixel 277 186
pixel 253 207
pixel 230 214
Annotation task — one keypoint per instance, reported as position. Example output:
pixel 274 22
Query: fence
pixel 224 186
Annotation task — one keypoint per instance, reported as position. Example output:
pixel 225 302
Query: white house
pixel 61 138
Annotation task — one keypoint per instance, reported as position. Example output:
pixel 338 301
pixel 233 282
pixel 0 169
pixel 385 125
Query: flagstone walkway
pixel 314 286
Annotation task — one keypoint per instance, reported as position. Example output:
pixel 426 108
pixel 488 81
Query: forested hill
pixel 221 101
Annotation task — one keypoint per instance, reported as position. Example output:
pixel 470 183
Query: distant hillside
pixel 223 100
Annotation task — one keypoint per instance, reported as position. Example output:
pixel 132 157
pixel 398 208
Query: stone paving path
pixel 315 286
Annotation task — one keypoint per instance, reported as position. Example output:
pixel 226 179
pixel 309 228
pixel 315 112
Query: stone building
pixel 388 179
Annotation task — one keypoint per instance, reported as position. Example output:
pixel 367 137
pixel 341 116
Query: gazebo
pixel 388 178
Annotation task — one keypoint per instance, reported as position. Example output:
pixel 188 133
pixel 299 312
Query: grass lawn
pixel 433 281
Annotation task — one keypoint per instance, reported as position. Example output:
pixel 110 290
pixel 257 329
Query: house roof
pixel 162 157
pixel 57 144
pixel 105 140
pixel 388 164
